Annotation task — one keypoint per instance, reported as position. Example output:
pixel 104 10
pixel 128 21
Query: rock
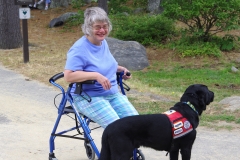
pixel 234 69
pixel 129 54
pixel 61 19
pixel 231 103
pixel 55 22
pixel 65 17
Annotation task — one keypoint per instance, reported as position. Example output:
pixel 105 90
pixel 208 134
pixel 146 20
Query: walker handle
pixel 56 77
pixel 61 75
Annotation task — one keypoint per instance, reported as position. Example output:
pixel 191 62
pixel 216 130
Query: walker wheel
pixel 139 155
pixel 89 151
pixel 52 156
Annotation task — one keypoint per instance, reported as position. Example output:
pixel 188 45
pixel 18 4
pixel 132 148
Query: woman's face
pixel 99 32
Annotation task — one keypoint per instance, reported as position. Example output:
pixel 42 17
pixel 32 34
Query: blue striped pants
pixel 105 109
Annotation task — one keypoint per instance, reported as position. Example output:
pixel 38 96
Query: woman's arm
pixel 80 76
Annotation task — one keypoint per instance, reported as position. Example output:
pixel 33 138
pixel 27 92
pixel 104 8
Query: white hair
pixel 93 15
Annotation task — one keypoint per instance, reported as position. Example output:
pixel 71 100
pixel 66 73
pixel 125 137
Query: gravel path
pixel 27 116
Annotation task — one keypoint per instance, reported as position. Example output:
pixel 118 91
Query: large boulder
pixel 61 19
pixel 129 54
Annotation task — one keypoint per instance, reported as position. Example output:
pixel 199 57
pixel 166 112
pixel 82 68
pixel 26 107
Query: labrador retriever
pixel 172 131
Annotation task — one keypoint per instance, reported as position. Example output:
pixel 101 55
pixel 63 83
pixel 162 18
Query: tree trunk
pixel 59 3
pixel 10 30
pixel 103 4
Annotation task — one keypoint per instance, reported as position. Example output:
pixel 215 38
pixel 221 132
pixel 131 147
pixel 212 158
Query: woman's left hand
pixel 127 74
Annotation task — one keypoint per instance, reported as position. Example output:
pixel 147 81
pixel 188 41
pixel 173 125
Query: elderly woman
pixel 90 59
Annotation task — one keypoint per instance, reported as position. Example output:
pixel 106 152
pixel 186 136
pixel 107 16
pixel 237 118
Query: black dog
pixel 156 130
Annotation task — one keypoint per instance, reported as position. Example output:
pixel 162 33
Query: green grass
pixel 172 81
pixel 221 117
pixel 176 80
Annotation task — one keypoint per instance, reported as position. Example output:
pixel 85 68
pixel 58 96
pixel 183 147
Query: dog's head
pixel 199 95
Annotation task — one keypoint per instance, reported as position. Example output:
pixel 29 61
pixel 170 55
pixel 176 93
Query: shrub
pixel 118 6
pixel 228 42
pixel 145 29
pixel 77 3
pixel 189 47
pixel 140 3
pixel 204 18
pixel 75 20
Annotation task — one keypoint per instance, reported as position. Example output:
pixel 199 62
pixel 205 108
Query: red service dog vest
pixel 180 125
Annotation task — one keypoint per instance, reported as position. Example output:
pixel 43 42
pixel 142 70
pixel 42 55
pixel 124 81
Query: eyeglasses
pixel 98 27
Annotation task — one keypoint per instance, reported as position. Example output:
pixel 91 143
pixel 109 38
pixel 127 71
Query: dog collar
pixel 191 106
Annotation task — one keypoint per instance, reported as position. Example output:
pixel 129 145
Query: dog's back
pixel 135 131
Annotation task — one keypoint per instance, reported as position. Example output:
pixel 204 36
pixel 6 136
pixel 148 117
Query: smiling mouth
pixel 101 35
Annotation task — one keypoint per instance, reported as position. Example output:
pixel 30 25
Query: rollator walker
pixel 81 121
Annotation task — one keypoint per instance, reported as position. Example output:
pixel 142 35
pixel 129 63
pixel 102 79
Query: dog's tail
pixel 105 150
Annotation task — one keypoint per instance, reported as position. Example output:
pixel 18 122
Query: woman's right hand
pixel 104 82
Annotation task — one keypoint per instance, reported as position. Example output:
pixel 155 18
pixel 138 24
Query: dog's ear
pixel 205 97
pixel 201 99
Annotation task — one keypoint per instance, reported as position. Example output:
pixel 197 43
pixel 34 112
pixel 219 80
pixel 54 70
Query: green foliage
pixel 77 3
pixel 204 18
pixel 118 6
pixel 191 45
pixel 140 3
pixel 146 30
pixel 75 20
pixel 200 49
pixel 187 47
pixel 227 43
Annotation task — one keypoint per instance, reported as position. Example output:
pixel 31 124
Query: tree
pixel 103 4
pixel 10 30
pixel 204 18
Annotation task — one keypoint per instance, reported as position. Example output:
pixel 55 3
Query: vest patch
pixel 180 125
